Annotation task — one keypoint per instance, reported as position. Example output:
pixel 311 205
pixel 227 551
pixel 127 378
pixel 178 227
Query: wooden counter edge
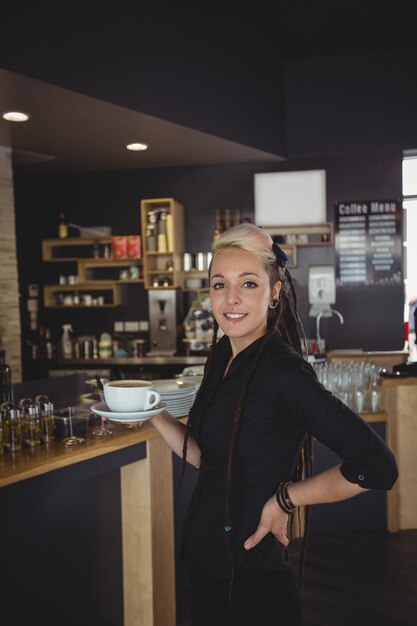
pixel 64 457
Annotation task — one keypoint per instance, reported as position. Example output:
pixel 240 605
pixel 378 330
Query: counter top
pixel 26 463
pixel 145 360
pixel 367 353
pixel 399 380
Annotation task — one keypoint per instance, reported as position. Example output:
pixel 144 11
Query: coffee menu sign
pixel 368 239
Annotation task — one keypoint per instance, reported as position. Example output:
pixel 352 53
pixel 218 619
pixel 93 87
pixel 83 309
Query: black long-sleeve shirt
pixel 284 402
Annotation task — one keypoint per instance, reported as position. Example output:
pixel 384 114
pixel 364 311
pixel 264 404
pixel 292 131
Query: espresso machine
pixel 162 322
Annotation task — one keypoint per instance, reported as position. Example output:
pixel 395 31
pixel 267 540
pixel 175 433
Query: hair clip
pixel 280 255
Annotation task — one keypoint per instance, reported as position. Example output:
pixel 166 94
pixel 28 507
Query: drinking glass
pixel 72 440
pixel 102 431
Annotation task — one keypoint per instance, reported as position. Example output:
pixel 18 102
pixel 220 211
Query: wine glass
pixel 72 440
pixel 102 431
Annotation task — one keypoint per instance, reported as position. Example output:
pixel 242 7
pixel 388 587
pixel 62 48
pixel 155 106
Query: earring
pixel 274 303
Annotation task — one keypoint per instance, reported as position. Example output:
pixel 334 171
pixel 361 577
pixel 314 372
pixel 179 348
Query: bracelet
pixel 284 500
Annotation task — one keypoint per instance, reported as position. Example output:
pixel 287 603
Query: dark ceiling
pixel 170 60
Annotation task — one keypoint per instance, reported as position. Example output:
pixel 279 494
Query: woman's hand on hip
pixel 273 520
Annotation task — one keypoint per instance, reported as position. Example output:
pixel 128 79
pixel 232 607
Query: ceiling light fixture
pixel 136 147
pixel 15 116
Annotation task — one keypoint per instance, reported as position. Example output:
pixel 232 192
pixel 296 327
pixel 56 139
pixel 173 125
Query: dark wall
pixel 309 80
pixel 347 105
pixel 373 318
pixel 352 115
pixel 216 69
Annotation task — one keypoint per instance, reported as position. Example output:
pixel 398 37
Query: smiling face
pixel 240 294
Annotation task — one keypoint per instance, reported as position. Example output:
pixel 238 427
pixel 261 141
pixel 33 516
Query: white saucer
pixel 103 410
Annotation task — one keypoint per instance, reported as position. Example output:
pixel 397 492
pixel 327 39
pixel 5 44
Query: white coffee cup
pixel 129 396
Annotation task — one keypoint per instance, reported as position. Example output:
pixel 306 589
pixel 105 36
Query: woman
pixel 248 433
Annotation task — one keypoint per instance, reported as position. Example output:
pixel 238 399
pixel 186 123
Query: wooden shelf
pixel 155 263
pixel 84 267
pixel 50 292
pixel 109 287
pixel 195 274
pixel 302 235
pixel 49 246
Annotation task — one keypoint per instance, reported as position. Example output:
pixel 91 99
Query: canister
pixel 188 261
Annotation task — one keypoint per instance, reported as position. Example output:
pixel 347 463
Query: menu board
pixel 368 239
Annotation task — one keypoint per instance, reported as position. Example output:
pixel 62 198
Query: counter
pixel 148 366
pixel 96 522
pixel 84 519
pixel 381 358
pixel 400 401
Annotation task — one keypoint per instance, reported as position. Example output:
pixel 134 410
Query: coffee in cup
pixel 129 396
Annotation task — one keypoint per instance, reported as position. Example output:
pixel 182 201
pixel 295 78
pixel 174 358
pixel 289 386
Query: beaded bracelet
pixel 284 500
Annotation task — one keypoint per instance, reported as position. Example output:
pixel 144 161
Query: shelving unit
pixel 163 268
pixel 303 234
pixel 195 275
pixel 53 250
pixel 109 291
pixel 79 250
pixel 87 268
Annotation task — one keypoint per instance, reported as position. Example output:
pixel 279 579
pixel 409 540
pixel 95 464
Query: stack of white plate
pixel 178 395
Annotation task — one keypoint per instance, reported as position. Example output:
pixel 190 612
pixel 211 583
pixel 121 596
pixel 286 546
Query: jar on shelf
pixel 133 272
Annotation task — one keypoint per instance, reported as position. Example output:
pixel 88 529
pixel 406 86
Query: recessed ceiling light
pixel 137 146
pixel 15 116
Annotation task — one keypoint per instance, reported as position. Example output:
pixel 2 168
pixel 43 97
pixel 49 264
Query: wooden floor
pixel 357 579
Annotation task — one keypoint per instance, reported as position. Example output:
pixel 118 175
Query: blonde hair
pixel 252 239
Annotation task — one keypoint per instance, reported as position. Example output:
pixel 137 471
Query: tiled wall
pixel 10 333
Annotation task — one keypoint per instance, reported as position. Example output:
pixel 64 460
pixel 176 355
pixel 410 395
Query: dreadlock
pixel 284 318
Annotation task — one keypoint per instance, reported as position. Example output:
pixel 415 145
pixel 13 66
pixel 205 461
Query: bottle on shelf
pixel 66 341
pixel 151 231
pixel 162 242
pixel 150 238
pixel 218 226
pixel 227 219
pixel 62 226
pixel 170 232
pixel 105 346
pixel 45 347
pixel 5 379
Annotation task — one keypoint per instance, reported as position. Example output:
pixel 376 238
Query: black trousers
pixel 264 598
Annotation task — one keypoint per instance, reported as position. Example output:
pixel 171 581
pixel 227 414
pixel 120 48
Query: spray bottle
pixel 66 342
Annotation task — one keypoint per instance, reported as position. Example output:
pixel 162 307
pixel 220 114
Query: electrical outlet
pixel 321 284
